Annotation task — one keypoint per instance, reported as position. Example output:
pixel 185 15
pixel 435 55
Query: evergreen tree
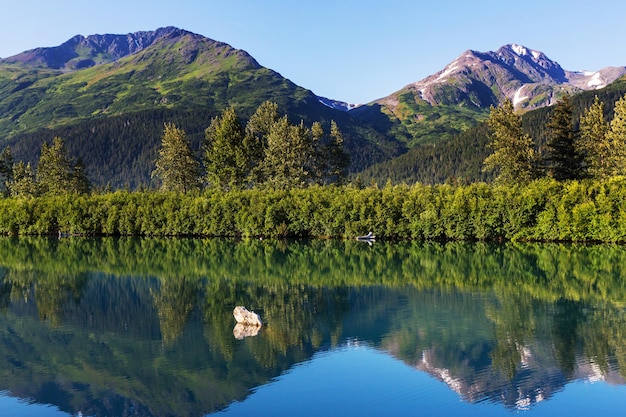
pixel 80 182
pixel 288 152
pixel 337 158
pixel 176 165
pixel 563 160
pixel 55 170
pixel 22 183
pixel 330 160
pixel 616 137
pixel 6 169
pixel 593 144
pixel 513 156
pixel 257 131
pixel 318 164
pixel 225 156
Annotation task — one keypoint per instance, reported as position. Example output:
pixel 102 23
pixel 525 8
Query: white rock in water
pixel 243 316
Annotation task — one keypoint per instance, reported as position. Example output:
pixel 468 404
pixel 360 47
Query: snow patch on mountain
pixel 518 98
pixel 448 70
pixel 595 81
pixel 337 105
pixel 519 49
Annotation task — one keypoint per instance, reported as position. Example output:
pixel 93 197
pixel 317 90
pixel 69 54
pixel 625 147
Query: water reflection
pixel 145 327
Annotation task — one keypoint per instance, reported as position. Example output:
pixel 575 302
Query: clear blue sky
pixel 350 50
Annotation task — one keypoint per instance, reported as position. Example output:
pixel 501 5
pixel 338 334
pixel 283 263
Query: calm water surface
pixel 124 327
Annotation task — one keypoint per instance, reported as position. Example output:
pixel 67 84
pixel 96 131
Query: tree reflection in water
pixel 148 323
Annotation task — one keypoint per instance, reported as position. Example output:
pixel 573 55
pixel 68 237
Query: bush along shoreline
pixel 543 210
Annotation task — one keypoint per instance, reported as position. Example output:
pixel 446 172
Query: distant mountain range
pixel 454 98
pixel 110 94
pixel 527 77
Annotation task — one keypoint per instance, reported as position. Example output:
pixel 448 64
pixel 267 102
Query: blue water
pixel 145 328
pixel 360 381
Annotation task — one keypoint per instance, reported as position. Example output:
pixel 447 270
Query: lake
pixel 144 327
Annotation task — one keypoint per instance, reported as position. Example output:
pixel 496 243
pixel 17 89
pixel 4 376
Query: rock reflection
pixel 241 331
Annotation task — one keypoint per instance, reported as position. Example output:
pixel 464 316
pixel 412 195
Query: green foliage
pixel 22 182
pixel 542 210
pixel 616 136
pixel 6 169
pixel 176 167
pixel 594 145
pixel 513 156
pixel 56 174
pixel 287 156
pixel 54 171
pixel 564 162
pixel 226 158
pixel 271 152
pixel 456 160
pixel 334 157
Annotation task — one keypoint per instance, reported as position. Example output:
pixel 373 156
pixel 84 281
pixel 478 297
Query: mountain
pixel 527 77
pixel 84 52
pixel 108 96
pixel 460 157
pixel 455 98
pixel 104 75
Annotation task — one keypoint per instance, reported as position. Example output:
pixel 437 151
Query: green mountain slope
pixel 109 104
pixel 180 70
pixel 419 121
pixel 460 157
pixel 460 95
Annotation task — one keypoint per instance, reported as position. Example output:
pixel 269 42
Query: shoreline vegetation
pixel 541 210
pixel 273 179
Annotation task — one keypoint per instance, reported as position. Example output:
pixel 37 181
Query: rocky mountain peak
pixel 481 79
pixel 86 51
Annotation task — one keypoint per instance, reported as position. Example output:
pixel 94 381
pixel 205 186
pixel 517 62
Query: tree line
pixel 271 178
pixel 56 173
pixel 573 149
pixel 268 151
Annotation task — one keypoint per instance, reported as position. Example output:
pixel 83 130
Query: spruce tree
pixel 594 145
pixel 6 169
pixel 563 160
pixel 338 159
pixel 616 137
pixel 176 165
pixel 80 182
pixel 225 157
pixel 255 142
pixel 287 156
pixel 513 155
pixel 55 170
pixel 22 182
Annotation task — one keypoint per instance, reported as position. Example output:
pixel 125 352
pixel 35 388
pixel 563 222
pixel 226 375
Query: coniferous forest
pixel 271 178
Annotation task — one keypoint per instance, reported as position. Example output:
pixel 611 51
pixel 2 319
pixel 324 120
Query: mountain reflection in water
pixel 115 327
